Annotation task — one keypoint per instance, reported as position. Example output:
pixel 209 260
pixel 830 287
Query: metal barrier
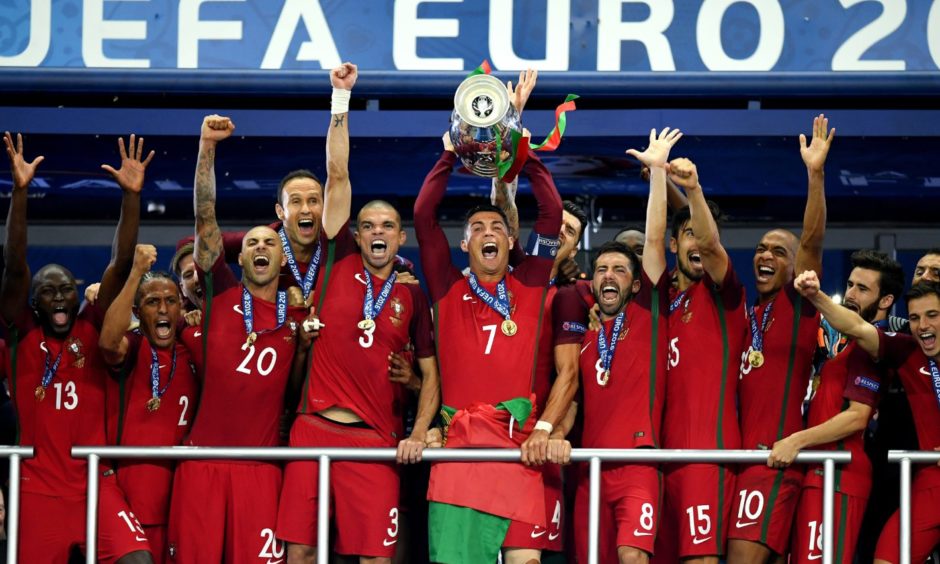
pixel 15 454
pixel 325 455
pixel 905 458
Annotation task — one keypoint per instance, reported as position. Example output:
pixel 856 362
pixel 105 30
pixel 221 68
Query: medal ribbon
pixel 50 371
pixel 499 302
pixel 935 378
pixel 605 351
pixel 678 301
pixel 248 312
pixel 371 307
pixel 305 282
pixel 155 390
pixel 757 337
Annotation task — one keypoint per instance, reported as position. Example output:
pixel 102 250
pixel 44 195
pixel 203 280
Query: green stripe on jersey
pixel 654 355
pixel 538 335
pixel 843 518
pixel 725 351
pixel 771 501
pixel 327 271
pixel 791 363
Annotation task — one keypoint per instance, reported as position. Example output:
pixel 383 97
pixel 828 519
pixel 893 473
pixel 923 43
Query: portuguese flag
pixel 472 503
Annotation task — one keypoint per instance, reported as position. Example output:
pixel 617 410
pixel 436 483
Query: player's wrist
pixel 542 425
pixel 339 101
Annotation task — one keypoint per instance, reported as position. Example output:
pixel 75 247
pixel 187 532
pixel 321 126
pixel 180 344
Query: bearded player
pixel 488 331
pixel 349 398
pixel 776 368
pixel 915 357
pixel 153 391
pixel 226 510
pixel 57 378
pixel 623 373
pixel 707 327
pixel 844 402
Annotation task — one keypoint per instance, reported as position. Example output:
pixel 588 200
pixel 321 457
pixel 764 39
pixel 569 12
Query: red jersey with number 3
pixel 771 397
pixel 903 352
pixel 626 411
pixel 350 366
pixel 242 394
pixel 73 410
pixel 706 338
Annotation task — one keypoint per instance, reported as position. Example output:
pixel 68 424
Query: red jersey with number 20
pixel 242 390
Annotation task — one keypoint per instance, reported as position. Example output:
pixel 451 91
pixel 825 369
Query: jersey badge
pixel 398 310
pixel 867 383
pixel 574 327
pixel 74 344
pixel 687 316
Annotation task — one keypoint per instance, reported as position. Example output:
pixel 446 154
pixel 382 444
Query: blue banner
pixel 454 35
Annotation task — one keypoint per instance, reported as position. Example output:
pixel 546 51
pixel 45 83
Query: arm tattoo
pixel 208 235
pixel 339 120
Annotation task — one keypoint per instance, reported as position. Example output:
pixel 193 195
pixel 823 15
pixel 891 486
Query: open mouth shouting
pixel 163 329
pixel 610 294
pixel 379 249
pixel 850 304
pixel 260 264
pixel 928 339
pixel 490 250
pixel 60 316
pixel 695 259
pixel 306 227
pixel 765 273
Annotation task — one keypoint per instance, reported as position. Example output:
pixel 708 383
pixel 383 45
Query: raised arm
pixel 655 157
pixel 215 128
pixel 14 291
pixel 338 198
pixel 548 220
pixel 503 196
pixel 809 255
pixel 130 177
pixel 438 269
pixel 842 319
pixel 113 340
pixel 714 257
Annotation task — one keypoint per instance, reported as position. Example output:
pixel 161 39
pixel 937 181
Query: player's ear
pixel 240 260
pixel 886 302
pixel 283 260
pixel 402 237
pixel 279 210
pixel 356 235
pixel 636 286
pixel 463 246
pixel 673 245
pixel 512 241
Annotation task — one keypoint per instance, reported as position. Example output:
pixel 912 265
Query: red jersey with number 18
pixel 242 390
pixel 349 367
pixel 706 338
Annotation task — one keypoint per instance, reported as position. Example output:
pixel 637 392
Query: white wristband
pixel 544 426
pixel 339 101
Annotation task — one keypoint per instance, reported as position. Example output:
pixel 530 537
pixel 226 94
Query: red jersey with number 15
pixel 242 390
pixel 349 366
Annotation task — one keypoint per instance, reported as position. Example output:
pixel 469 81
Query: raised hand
pixel 23 172
pixel 657 153
pixel 814 154
pixel 684 174
pixel 520 94
pixel 193 318
pixel 131 174
pixel 344 76
pixel 807 284
pixel 448 146
pixel 144 257
pixel 216 128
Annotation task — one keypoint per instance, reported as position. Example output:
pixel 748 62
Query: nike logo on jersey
pixel 388 542
pixel 741 525
pixel 585 347
pixel 638 533
pixel 278 561
pixel 197 333
pixel 699 541
pixel 553 536
pixel 238 309
pixel 161 366
pixel 536 533
pixel 924 371
pixel 813 556
pixel 140 539
pixel 362 280
pixel 467 298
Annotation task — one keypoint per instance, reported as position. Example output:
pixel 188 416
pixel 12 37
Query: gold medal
pixel 153 404
pixel 40 393
pixel 509 327
pixel 366 324
pixel 250 340
pixel 755 358
pixel 605 378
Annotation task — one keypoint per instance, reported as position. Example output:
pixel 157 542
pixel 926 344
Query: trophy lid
pixel 481 100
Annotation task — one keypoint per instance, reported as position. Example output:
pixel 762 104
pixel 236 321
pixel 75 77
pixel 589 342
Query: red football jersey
pixel 242 395
pixel 73 410
pixel 130 423
pixel 903 352
pixel 626 410
pixel 545 365
pixel 850 376
pixel 770 397
pixel 706 338
pixel 349 368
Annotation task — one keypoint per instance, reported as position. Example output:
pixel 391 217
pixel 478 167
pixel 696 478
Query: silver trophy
pixel 481 125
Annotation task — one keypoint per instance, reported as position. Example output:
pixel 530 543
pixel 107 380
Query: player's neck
pixel 684 282
pixel 605 318
pixel 303 254
pixel 268 292
pixel 487 278
pixel 766 297
pixel 383 272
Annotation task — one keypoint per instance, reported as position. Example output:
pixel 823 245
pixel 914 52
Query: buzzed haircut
pixel 484 208
pixel 181 253
pixel 378 204
pixel 635 227
pixel 891 274
pixel 617 247
pixel 684 214
pixel 39 277
pixel 575 210
pixel 933 251
pixel 153 275
pixel 922 289
pixel 294 174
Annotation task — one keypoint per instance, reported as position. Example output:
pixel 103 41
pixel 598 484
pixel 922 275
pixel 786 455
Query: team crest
pixel 74 345
pixel 687 316
pixel 398 310
pixel 290 337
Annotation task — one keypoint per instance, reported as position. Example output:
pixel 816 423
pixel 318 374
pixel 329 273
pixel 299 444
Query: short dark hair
pixel 294 174
pixel 933 251
pixel 480 208
pixel 891 279
pixel 684 214
pixel 616 247
pixel 634 227
pixel 575 210
pixel 184 251
pixel 922 289
pixel 153 275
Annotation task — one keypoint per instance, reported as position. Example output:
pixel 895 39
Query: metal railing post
pixel 13 510
pixel 905 512
pixel 594 509
pixel 829 487
pixel 91 514
pixel 323 511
